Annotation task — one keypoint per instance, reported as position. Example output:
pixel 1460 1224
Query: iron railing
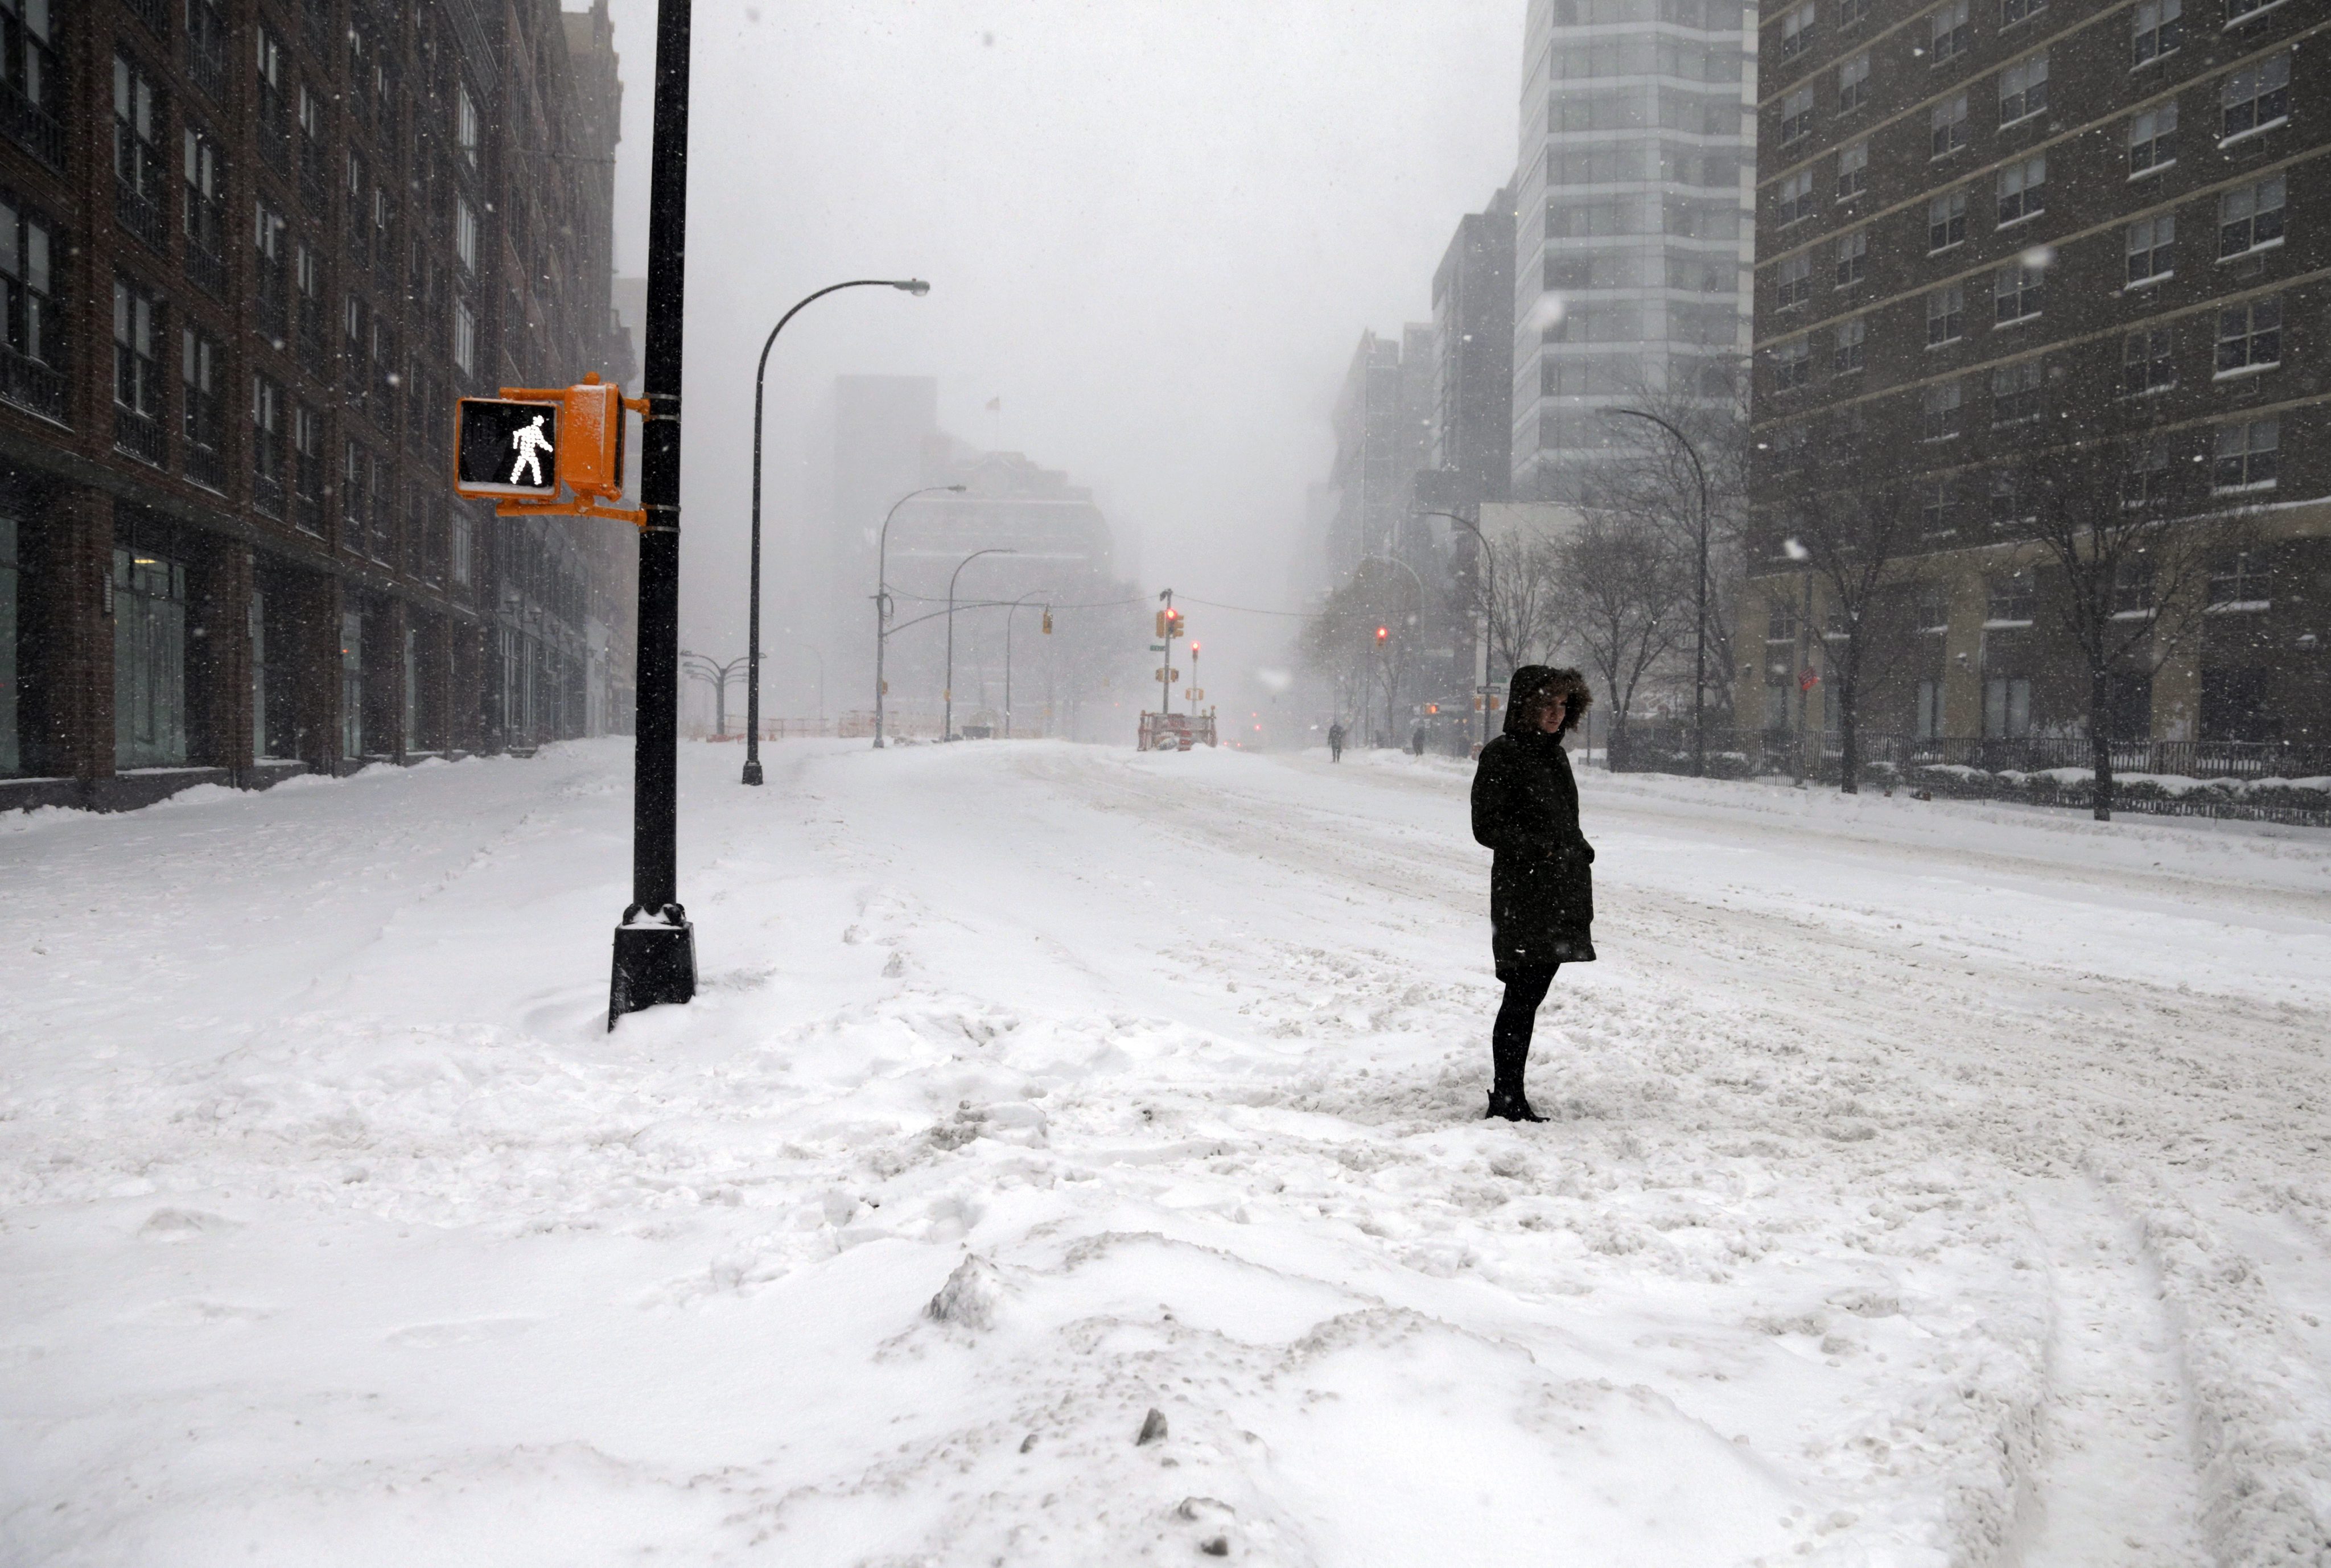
pixel 267 494
pixel 207 269
pixel 154 14
pixel 206 466
pixel 141 435
pixel 32 385
pixel 142 216
pixel 32 127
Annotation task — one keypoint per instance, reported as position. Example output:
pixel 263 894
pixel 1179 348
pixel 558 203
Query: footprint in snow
pixel 471 1331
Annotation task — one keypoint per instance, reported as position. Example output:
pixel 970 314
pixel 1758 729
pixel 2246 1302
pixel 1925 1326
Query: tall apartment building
pixel 1988 229
pixel 252 251
pixel 1632 254
pixel 1383 422
pixel 1473 354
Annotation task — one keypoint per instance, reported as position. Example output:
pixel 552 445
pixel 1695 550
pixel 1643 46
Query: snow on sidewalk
pixel 1930 1185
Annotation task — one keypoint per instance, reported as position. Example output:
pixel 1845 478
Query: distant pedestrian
pixel 1541 893
pixel 1336 741
pixel 1416 740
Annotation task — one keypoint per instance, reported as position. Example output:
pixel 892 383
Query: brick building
pixel 252 251
pixel 1988 230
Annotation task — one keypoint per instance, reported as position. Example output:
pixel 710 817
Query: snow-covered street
pixel 1929 1183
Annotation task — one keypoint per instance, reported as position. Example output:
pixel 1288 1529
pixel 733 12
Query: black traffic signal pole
pixel 655 945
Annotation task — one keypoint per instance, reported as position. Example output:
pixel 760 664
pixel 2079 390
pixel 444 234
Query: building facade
pixel 1383 423
pixel 1994 230
pixel 1633 243
pixel 252 250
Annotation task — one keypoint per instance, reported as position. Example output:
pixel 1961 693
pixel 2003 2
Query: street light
pixel 1488 611
pixel 883 597
pixel 946 720
pixel 914 286
pixel 1699 597
pixel 717 676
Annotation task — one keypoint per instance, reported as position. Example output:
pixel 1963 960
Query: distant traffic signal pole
pixel 655 945
pixel 914 286
pixel 1699 593
pixel 1489 612
pixel 882 599
pixel 946 693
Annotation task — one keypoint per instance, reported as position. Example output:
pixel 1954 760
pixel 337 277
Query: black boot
pixel 1512 1107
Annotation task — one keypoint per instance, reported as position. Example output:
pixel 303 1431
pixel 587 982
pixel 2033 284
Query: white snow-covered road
pixel 1932 1184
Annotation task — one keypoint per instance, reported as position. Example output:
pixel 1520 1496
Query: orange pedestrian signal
pixel 531 446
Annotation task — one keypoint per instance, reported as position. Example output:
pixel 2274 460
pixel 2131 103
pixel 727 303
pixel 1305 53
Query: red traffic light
pixel 1382 633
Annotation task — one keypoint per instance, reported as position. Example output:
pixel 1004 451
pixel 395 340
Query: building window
pixel 315 177
pixel 1793 364
pixel 465 337
pixel 2245 456
pixel 2022 191
pixel 1796 197
pixel 355 490
pixel 1928 724
pixel 2009 599
pixel 1940 411
pixel 136 371
pixel 149 660
pixel 1850 12
pixel 1849 338
pixel 465 234
pixel 205 212
pixel 2250 338
pixel 352 730
pixel 1947 127
pixel 2007 706
pixel 1796 115
pixel 1852 258
pixel 31 366
pixel 1938 506
pixel 2132 587
pixel 1853 84
pixel 1797 32
pixel 2023 89
pixel 266 445
pixel 2005 501
pixel 2239 10
pixel 2250 218
pixel 2151 140
pixel 1852 170
pixel 137 163
pixel 2011 12
pixel 2256 97
pixel 201 422
pixel 1946 222
pixel 2152 249
pixel 2145 485
pixel 28 66
pixel 1797 285
pixel 2015 294
pixel 2145 363
pixel 465 124
pixel 1946 33
pixel 2159 24
pixel 2240 577
pixel 1946 316
pixel 2015 393
pixel 308 468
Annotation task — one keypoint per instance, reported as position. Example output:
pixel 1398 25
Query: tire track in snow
pixel 2119 1488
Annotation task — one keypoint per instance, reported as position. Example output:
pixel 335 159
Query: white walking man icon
pixel 531 443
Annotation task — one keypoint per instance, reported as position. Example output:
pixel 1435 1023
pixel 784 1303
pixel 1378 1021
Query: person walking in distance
pixel 531 444
pixel 1541 893
pixel 1336 741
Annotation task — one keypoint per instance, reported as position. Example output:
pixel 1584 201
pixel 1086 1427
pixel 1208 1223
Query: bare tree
pixel 1625 593
pixel 1857 521
pixel 2114 518
pixel 1517 600
pixel 1343 642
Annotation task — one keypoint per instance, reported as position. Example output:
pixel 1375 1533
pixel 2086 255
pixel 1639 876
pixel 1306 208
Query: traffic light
pixel 1048 620
pixel 1383 635
pixel 530 443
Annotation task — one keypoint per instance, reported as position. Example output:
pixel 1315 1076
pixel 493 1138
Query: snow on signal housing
pixel 581 430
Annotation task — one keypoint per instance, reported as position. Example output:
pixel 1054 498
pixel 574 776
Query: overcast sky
pixel 1154 228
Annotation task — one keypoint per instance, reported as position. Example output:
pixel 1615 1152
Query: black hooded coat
pixel 1526 809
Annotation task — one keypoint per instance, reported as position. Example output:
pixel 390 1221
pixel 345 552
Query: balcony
pixel 274 315
pixel 154 14
pixel 207 269
pixel 31 386
pixel 315 191
pixel 207 467
pixel 32 127
pixel 142 216
pixel 207 65
pixel 308 514
pixel 267 495
pixel 141 435
pixel 275 139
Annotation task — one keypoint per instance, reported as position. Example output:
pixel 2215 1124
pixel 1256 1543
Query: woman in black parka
pixel 1541 894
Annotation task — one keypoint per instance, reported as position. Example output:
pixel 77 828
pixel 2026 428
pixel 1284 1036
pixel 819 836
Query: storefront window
pixel 11 757
pixel 352 736
pixel 149 660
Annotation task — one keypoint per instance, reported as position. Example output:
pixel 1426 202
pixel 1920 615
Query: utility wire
pixel 1250 609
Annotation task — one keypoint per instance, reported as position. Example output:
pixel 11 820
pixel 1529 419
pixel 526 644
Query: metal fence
pixel 2232 779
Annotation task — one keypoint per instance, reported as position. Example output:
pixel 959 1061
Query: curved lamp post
pixel 717 676
pixel 1488 609
pixel 1008 614
pixel 947 723
pixel 883 598
pixel 753 648
pixel 1699 595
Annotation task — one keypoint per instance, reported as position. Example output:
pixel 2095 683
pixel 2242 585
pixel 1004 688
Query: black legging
pixel 1509 1038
